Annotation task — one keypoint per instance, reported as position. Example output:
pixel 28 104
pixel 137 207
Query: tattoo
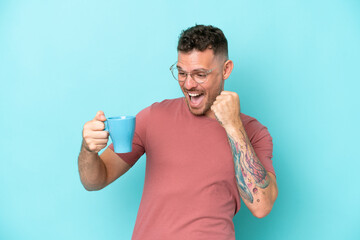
pixel 247 166
pixel 244 190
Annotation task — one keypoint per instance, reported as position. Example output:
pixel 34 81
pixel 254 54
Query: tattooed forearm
pixel 244 190
pixel 249 171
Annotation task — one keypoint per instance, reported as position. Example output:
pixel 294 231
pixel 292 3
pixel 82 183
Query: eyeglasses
pixel 199 76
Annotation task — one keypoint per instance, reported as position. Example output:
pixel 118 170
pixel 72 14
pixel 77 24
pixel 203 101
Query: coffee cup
pixel 121 130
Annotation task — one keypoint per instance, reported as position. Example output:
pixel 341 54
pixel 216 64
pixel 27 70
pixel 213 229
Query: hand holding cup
pixel 95 137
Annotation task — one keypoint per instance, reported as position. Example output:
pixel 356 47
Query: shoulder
pixel 254 129
pixel 250 122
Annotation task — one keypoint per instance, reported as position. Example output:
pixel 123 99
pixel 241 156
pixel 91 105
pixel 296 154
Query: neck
pixel 210 114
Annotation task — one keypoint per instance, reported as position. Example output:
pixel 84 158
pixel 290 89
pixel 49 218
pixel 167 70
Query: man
pixel 202 153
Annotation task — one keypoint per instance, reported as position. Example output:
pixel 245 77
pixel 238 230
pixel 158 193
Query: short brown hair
pixel 201 37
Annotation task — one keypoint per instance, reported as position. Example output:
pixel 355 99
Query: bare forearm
pixel 92 169
pixel 256 186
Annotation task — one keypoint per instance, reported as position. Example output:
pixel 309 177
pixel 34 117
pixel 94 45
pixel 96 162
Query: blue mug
pixel 121 130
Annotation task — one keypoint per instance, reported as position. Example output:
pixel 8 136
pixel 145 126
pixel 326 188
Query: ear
pixel 228 67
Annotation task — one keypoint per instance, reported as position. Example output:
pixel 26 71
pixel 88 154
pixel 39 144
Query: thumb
pixel 100 116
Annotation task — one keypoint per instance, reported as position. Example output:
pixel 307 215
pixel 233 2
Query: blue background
pixel 296 70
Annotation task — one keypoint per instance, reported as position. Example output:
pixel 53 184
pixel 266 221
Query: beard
pixel 209 102
pixel 203 111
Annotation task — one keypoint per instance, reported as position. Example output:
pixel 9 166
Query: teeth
pixel 194 94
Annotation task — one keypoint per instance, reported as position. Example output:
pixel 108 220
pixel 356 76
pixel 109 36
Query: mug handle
pixel 106 126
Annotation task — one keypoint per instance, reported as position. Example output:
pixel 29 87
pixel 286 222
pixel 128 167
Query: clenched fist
pixel 227 109
pixel 94 136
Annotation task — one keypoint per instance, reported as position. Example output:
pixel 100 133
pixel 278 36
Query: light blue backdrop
pixel 296 70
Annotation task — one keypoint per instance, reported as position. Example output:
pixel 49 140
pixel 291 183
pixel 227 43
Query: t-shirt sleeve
pixel 261 142
pixel 263 147
pixel 138 145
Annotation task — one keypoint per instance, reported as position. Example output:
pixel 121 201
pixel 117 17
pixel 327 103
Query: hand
pixel 227 109
pixel 94 136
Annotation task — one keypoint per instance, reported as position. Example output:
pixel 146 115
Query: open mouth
pixel 196 98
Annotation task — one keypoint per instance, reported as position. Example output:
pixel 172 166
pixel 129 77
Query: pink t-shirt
pixel 190 188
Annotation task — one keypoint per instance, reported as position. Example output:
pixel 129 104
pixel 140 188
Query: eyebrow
pixel 194 70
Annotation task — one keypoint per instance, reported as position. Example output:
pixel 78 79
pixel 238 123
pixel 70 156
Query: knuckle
pixel 86 125
pixel 92 146
pixel 99 125
pixel 88 143
pixel 85 134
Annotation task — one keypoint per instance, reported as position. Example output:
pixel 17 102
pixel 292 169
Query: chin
pixel 198 112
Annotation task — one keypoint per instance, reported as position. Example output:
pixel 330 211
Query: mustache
pixel 193 90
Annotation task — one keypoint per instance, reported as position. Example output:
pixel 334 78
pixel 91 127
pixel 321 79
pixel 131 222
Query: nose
pixel 190 82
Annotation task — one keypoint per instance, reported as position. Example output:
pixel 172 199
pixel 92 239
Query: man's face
pixel 200 97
